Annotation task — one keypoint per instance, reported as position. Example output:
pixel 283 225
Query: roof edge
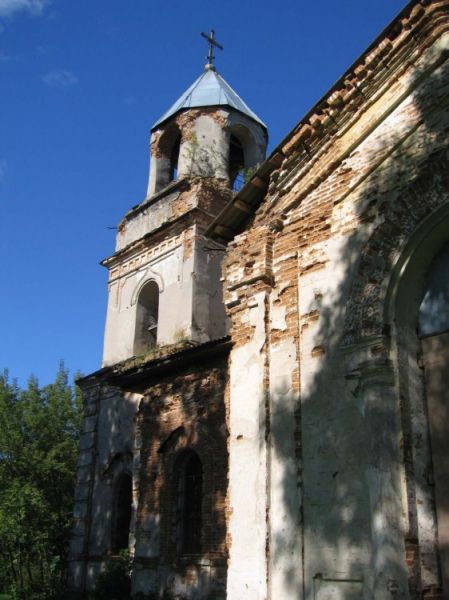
pixel 131 371
pixel 233 100
pixel 409 20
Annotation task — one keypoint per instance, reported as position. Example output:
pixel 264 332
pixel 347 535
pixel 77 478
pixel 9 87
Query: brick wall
pixel 184 411
pixel 356 183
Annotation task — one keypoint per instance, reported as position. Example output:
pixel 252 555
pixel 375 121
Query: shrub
pixel 114 583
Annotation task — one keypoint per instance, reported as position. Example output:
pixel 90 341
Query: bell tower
pixel 164 277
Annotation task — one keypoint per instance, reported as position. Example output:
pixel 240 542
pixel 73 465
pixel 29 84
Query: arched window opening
pixel 147 314
pixel 434 308
pixel 236 163
pixel 167 153
pixel 190 496
pixel 121 513
pixel 174 159
pixel 422 307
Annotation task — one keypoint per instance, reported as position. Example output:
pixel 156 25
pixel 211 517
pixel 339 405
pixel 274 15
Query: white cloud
pixel 60 78
pixel 10 7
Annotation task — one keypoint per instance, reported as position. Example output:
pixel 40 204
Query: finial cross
pixel 212 42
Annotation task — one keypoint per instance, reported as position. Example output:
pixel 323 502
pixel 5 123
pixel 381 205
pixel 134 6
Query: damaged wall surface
pixel 313 291
pixel 318 428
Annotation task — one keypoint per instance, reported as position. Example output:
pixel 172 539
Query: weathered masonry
pixel 153 469
pixel 271 420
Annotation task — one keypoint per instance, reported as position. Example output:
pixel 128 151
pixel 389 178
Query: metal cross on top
pixel 212 42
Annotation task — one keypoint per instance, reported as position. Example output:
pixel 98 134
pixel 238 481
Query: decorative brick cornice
pixel 417 26
pixel 394 51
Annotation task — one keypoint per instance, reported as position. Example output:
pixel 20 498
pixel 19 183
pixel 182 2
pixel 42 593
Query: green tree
pixel 39 431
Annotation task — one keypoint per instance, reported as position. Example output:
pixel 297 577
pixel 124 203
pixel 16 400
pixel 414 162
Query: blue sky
pixel 81 82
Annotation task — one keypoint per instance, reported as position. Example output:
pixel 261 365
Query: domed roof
pixel 210 89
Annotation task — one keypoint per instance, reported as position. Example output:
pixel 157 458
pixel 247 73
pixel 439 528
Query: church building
pixel 271 418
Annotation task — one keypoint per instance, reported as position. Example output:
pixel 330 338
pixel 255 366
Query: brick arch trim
pixel 381 258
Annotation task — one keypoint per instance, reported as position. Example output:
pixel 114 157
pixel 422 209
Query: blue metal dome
pixel 210 89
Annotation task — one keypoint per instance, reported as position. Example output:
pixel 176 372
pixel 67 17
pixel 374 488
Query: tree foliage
pixel 114 583
pixel 39 431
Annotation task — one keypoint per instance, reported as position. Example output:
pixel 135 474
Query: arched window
pixel 174 158
pixel 147 314
pixel 190 496
pixel 434 308
pixel 236 163
pixel 422 307
pixel 168 150
pixel 121 513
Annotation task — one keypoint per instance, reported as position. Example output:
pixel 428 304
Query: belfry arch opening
pixel 242 155
pixel 121 513
pixel 147 316
pixel 168 150
pixel 174 158
pixel 236 162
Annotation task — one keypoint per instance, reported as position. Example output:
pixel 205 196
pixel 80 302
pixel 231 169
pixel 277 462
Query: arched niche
pixel 147 318
pixel 200 444
pixel 121 512
pixel 189 489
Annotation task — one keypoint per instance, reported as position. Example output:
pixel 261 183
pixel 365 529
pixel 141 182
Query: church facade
pixel 271 418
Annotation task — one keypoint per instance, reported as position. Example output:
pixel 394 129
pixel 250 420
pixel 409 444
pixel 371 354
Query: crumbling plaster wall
pixel 321 422
pixel 150 216
pixel 207 195
pixel 162 240
pixel 187 270
pixel 170 264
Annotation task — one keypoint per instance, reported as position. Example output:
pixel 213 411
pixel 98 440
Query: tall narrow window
pixel 147 314
pixel 236 163
pixel 174 159
pixel 190 501
pixel 121 513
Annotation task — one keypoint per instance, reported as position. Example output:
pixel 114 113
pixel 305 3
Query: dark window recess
pixel 147 315
pixel 174 159
pixel 168 149
pixel 191 500
pixel 236 163
pixel 121 514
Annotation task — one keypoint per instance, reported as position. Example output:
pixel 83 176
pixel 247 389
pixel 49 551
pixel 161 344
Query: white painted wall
pixel 173 275
pixel 190 302
pixel 247 572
